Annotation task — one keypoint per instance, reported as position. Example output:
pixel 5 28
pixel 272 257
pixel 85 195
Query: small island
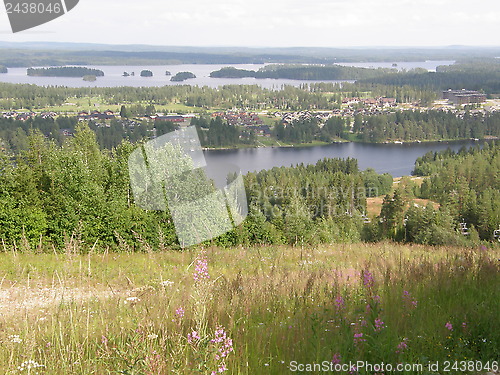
pixel 167 73
pixel 125 74
pixel 182 76
pixel 146 73
pixel 3 69
pixel 65 71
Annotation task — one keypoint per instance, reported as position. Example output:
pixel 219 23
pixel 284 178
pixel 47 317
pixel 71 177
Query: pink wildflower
pixel 449 326
pixel 336 359
pixel 193 336
pixel 180 312
pixel 402 346
pixel 339 303
pixel 379 325
pixel 201 269
pixel 358 338
pixel 368 279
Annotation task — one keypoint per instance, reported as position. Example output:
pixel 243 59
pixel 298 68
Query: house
pixel 459 97
pixel 169 118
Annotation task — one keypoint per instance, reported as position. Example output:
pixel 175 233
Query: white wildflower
pixel 16 339
pixel 167 283
pixel 132 300
pixel 29 366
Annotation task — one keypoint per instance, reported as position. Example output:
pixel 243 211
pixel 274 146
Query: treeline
pixel 251 97
pixel 401 125
pixel 76 193
pixel 479 76
pixel 426 125
pixel 64 71
pixel 216 133
pixel 308 130
pixel 301 72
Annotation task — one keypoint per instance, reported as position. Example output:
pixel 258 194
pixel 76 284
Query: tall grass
pixel 260 309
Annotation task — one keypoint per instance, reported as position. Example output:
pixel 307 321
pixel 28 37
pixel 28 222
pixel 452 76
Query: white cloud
pixel 275 22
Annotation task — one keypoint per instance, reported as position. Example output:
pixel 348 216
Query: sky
pixel 272 23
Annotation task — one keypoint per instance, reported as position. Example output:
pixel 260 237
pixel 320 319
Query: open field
pixel 250 310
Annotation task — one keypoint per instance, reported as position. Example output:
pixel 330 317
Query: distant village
pixel 253 121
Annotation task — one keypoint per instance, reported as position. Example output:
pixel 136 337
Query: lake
pixel 113 75
pixel 396 159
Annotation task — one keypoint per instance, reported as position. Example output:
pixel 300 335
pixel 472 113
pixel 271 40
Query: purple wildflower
pixel 402 346
pixel 368 279
pixel 336 359
pixel 358 338
pixel 379 325
pixel 179 312
pixel 193 336
pixel 449 326
pixel 201 269
pixel 339 303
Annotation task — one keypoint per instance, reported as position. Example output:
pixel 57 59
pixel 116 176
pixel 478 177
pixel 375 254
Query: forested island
pixel 64 71
pixel 182 76
pixel 3 69
pixel 146 73
pixel 304 72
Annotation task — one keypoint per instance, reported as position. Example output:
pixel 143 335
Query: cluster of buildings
pixel 239 118
pixel 24 116
pixel 249 120
pixel 96 115
pixel 460 97
pixel 381 101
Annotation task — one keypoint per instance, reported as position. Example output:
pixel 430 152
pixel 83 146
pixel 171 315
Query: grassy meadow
pixel 257 310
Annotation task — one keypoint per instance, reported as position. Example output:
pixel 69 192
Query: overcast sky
pixel 273 23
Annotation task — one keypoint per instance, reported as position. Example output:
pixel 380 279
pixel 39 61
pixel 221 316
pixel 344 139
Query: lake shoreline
pixel 316 144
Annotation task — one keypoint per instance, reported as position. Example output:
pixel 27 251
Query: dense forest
pixel 52 193
pixel 64 71
pixel 483 76
pixel 312 96
pixel 401 125
pixel 467 183
pixel 467 187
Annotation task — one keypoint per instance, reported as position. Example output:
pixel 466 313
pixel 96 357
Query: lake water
pixel 113 75
pixel 396 159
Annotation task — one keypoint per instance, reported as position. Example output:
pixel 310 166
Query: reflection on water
pixel 396 159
